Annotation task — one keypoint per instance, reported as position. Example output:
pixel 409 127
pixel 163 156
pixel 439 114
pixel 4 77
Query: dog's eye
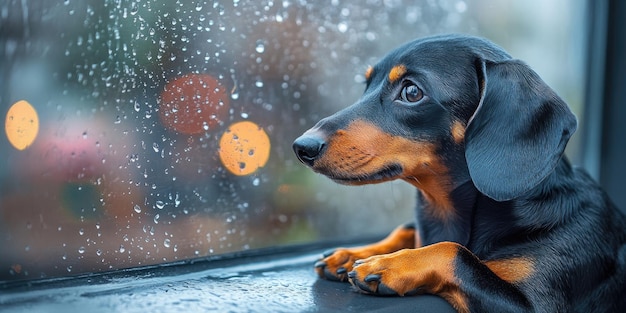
pixel 411 93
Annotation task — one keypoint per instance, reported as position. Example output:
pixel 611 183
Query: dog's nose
pixel 308 148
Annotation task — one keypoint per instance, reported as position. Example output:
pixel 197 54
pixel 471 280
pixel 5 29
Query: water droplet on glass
pixel 155 147
pixel 156 218
pixel 342 27
pixel 160 205
pixel 81 250
pixel 99 252
pixel 256 182
pixel 260 46
pixel 137 107
pixel 122 249
pixel 137 208
pixel 166 243
pixel 176 201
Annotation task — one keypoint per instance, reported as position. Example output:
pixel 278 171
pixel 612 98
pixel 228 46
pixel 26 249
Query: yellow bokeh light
pixel 244 148
pixel 21 124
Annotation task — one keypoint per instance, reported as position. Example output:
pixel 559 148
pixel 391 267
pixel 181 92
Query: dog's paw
pixel 336 264
pixel 387 275
pixel 407 272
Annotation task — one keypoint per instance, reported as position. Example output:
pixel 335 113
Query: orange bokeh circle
pixel 244 148
pixel 21 124
pixel 193 104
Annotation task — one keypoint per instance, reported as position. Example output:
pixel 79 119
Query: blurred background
pixel 147 132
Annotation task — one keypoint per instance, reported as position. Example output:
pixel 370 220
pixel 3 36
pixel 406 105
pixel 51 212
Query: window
pixel 147 132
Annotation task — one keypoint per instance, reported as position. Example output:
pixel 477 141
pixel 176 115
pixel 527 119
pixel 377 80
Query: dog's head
pixel 442 110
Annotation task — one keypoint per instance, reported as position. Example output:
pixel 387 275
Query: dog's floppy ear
pixel 517 134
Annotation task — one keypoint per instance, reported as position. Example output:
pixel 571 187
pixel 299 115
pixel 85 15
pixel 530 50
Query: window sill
pixel 277 282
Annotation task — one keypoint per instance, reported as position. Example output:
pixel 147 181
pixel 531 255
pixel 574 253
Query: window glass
pixel 144 132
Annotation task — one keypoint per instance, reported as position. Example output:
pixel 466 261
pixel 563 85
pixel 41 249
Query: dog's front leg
pixel 448 270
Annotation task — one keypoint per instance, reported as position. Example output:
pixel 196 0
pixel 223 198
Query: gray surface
pixel 280 284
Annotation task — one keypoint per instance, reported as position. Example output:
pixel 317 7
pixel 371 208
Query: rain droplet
pixel 156 218
pixel 137 208
pixel 166 243
pixel 342 27
pixel 256 182
pixel 176 201
pixel 122 249
pixel 160 204
pixel 260 46
pixel 81 250
pixel 99 252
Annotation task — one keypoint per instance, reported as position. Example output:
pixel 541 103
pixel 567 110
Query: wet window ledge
pixel 283 282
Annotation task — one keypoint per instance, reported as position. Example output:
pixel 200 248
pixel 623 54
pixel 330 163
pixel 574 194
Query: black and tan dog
pixel 504 222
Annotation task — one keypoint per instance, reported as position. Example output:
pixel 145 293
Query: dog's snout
pixel 308 148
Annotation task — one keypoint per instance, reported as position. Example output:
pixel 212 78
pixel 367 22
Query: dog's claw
pixel 352 275
pixel 341 271
pixel 320 264
pixel 328 253
pixel 383 290
pixel 372 278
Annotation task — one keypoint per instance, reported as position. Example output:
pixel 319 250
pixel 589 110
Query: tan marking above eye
pixel 369 72
pixel 397 72
pixel 458 132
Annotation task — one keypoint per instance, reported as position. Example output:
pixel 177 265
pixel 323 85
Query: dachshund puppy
pixel 504 222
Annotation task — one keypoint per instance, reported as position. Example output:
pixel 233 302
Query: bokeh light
pixel 244 148
pixel 193 104
pixel 21 125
